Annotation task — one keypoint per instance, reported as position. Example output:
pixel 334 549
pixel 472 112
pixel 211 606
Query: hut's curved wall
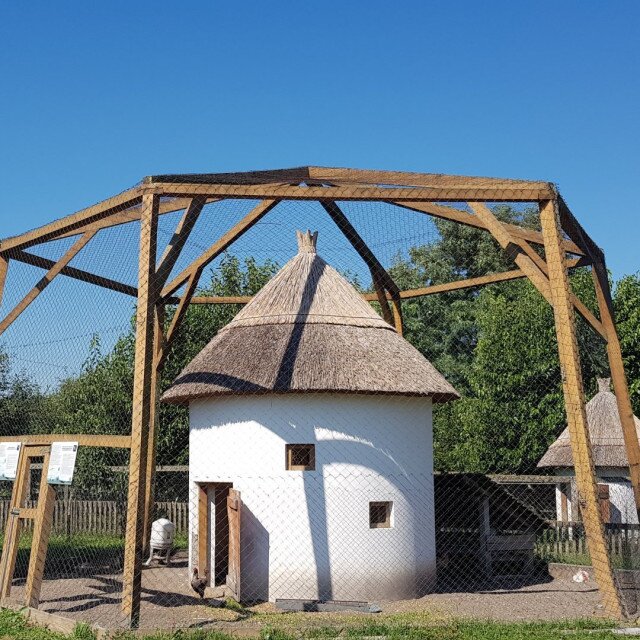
pixel 306 534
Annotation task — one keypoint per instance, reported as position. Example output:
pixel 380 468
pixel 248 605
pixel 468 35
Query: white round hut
pixel 609 457
pixel 311 456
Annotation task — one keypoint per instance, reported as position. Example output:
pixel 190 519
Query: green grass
pixel 412 627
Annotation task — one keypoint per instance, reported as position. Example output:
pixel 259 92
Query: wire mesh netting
pixel 307 453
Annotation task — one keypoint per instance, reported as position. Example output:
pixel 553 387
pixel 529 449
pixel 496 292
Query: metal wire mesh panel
pixel 368 414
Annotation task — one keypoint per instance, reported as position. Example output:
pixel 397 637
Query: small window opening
pixel 301 457
pixel 380 515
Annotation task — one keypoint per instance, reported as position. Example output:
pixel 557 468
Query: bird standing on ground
pixel 199 584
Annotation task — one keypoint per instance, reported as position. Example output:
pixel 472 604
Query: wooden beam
pixel 254 216
pixel 133 215
pixel 44 282
pixel 379 276
pixel 54 229
pixel 142 395
pixel 41 533
pixel 398 322
pixel 83 440
pixel 179 239
pixel 4 267
pixel 580 307
pixel 221 299
pixel 72 272
pixel 387 194
pixel 618 377
pixel 530 262
pixel 178 316
pixel 464 217
pixel 13 526
pixel 149 500
pixel 576 232
pixel 575 408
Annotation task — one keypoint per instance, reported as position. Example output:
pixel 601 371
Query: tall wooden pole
pixel 575 407
pixel 142 399
pixel 618 377
pixel 149 497
pixel 4 267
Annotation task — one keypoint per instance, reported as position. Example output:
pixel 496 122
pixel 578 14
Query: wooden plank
pixel 618 377
pixel 74 221
pixel 179 239
pixel 13 527
pixel 513 249
pixel 72 272
pixel 44 282
pixel 396 306
pixel 153 425
pixel 203 529
pixel 381 279
pixel 41 534
pixel 142 394
pixel 84 440
pixel 575 408
pixel 234 512
pixel 468 219
pixel 133 215
pixel 385 194
pixel 4 267
pixel 254 216
pixel 221 299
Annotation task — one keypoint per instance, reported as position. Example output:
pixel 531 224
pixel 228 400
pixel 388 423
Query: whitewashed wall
pixel 622 503
pixel 305 534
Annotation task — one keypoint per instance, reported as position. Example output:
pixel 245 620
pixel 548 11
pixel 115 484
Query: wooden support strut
pixel 4 267
pixel 379 276
pixel 618 377
pixel 142 395
pixel 530 262
pixel 45 281
pixel 575 408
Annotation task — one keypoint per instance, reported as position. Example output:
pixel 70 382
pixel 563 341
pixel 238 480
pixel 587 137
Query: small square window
pixel 301 457
pixel 380 515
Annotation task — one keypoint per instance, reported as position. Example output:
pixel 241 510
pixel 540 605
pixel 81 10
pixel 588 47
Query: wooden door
pixel 234 510
pixel 605 505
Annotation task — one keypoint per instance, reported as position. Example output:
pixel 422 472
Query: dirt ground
pixel 168 603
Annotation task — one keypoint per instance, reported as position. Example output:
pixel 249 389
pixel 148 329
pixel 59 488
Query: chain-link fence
pixel 343 422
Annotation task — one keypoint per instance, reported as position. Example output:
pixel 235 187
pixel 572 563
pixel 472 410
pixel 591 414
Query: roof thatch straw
pixel 308 330
pixel 605 433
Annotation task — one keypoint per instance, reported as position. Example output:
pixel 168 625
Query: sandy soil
pixel 168 602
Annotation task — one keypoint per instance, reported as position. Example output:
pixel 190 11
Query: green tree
pixel 626 302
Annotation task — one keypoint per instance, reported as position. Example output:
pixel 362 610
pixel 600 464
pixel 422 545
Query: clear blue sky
pixel 97 95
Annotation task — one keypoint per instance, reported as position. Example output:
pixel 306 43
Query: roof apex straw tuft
pixel 308 331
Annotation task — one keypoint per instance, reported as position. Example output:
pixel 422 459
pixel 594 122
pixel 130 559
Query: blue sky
pixel 97 95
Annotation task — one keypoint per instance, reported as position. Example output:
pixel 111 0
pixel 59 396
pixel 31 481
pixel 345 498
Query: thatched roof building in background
pixel 308 330
pixel 605 432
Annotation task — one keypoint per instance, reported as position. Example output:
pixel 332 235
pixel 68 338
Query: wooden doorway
pixel 215 532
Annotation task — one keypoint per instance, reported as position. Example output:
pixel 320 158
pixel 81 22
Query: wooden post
pixel 142 396
pixel 618 377
pixel 41 533
pixel 575 407
pixel 4 267
pixel 13 526
pixel 149 496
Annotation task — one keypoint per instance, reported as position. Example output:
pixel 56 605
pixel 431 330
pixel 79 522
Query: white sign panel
pixel 62 462
pixel 9 454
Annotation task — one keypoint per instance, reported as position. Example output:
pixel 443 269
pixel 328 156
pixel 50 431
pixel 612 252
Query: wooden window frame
pixel 387 523
pixel 289 453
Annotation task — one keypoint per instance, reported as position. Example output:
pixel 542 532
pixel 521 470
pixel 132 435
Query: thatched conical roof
pixel 308 330
pixel 605 432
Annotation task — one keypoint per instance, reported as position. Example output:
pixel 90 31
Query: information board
pixel 9 454
pixel 62 462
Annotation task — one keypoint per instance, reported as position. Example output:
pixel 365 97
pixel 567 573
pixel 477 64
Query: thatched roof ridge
pixel 605 432
pixel 308 331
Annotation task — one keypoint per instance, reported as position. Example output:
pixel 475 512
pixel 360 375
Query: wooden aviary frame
pixel 566 245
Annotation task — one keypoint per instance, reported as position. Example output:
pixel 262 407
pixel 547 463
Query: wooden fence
pixel 566 542
pixel 99 517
